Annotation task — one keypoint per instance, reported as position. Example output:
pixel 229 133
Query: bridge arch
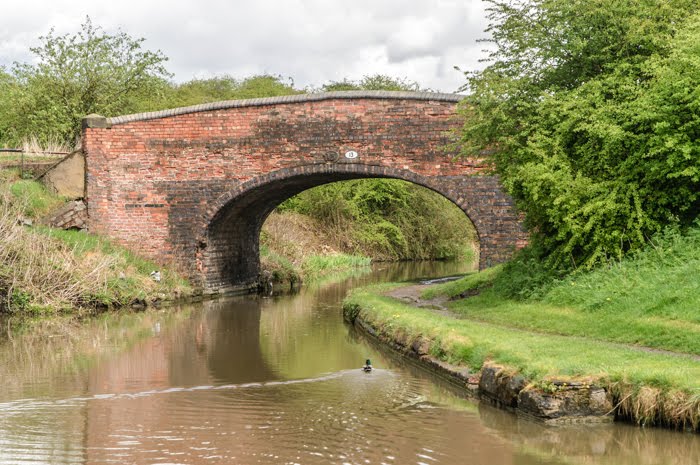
pixel 192 186
pixel 228 250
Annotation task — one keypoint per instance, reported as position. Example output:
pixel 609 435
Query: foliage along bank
pixel 348 224
pixel 590 111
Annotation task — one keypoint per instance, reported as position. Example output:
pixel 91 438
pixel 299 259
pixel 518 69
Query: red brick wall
pixel 194 188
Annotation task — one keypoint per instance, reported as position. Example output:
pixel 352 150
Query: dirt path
pixel 412 296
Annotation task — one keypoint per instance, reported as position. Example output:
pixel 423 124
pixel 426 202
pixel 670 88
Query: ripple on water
pixel 344 416
pixel 139 409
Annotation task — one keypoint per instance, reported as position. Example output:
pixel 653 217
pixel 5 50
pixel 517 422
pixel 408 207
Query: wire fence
pixel 32 152
pixel 29 162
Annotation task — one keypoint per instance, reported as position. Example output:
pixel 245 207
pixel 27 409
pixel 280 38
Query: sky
pixel 311 42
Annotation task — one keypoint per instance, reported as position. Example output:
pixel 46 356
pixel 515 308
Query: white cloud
pixel 312 41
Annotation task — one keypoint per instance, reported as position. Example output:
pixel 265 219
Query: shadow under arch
pixel 228 252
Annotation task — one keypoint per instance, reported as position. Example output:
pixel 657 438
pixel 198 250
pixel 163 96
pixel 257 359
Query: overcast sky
pixel 311 41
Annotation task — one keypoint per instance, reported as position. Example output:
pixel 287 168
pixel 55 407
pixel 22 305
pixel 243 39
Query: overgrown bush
pixel 527 275
pixel 591 111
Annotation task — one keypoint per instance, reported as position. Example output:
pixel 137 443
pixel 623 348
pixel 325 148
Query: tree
pixel 373 82
pixel 7 92
pixel 78 74
pixel 219 88
pixel 596 146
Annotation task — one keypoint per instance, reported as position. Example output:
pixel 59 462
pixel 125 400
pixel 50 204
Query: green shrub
pixel 590 111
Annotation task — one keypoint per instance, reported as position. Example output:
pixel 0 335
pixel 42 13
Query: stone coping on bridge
pixel 97 121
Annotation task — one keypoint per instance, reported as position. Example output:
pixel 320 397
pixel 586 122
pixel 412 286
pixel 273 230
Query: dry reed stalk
pixel 54 147
pixel 647 405
pixel 44 268
pixel 650 406
pixel 681 410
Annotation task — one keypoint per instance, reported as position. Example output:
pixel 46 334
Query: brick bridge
pixel 192 186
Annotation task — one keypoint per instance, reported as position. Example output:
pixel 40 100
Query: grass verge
pixel 650 388
pixel 651 299
pixel 311 268
pixel 34 198
pixel 320 265
pixel 297 248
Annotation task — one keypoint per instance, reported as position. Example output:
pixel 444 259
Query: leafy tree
pixel 373 82
pixel 589 107
pixel 78 74
pixel 7 93
pixel 219 88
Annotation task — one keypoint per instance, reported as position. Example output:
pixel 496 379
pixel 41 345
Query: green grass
pixel 83 243
pixel 129 286
pixel 279 266
pixel 652 299
pixel 537 356
pixel 312 267
pixel 319 265
pixel 36 199
pixel 471 282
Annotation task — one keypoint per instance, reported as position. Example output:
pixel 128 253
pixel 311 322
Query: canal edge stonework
pixel 563 402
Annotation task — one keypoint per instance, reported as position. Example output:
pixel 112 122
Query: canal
pixel 270 380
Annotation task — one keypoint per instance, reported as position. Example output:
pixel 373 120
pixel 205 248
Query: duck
pixel 368 366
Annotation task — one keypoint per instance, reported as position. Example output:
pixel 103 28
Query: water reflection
pixel 600 444
pixel 269 380
pixel 229 332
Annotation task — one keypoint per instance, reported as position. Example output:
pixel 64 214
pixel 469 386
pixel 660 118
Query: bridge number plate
pixel 350 154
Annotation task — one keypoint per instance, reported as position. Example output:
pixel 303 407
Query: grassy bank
pixel 45 271
pixel 650 388
pixel 632 327
pixel 296 248
pixel 651 299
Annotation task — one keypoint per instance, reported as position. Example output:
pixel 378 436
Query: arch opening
pixel 230 251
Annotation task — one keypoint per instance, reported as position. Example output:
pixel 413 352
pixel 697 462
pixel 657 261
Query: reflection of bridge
pixel 194 185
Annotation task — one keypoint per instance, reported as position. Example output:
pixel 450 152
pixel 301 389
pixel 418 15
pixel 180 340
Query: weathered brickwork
pixel 194 186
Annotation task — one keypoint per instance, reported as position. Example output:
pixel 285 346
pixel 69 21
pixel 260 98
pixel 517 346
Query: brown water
pixel 269 381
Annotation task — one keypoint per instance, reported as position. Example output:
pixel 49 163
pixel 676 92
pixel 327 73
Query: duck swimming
pixel 368 366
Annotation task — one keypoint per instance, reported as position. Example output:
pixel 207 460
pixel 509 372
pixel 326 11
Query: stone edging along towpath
pixel 555 378
pixel 562 402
